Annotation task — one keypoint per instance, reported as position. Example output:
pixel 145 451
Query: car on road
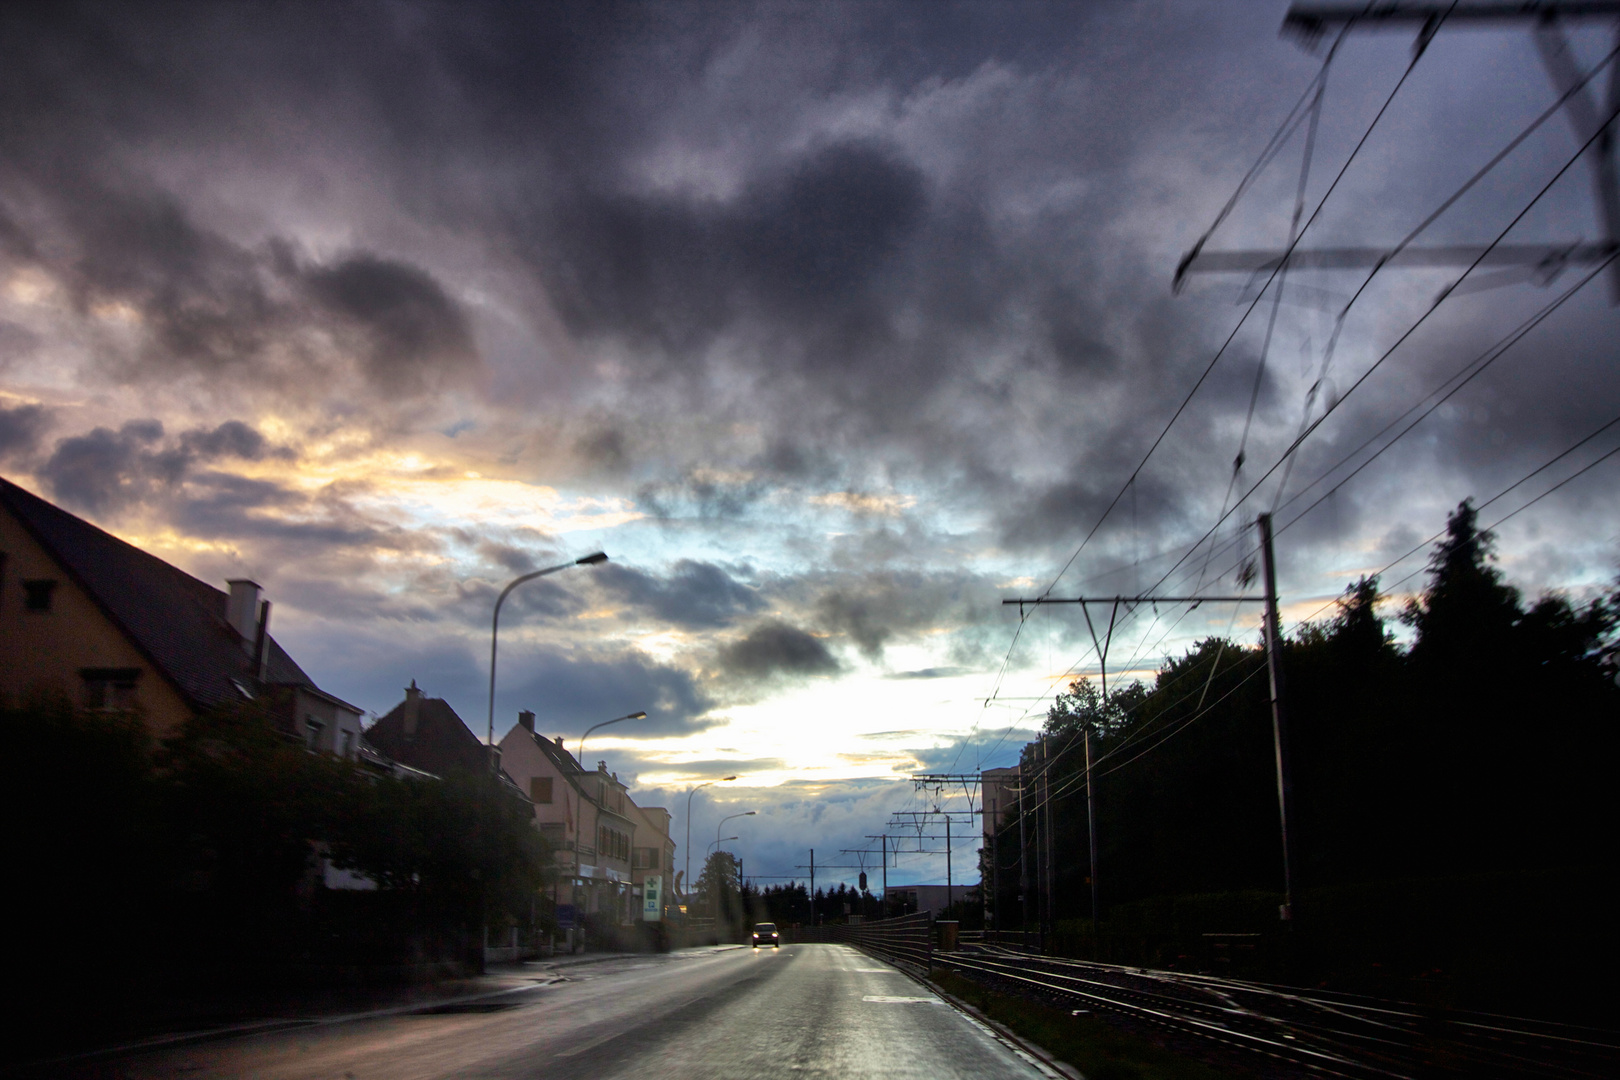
pixel 765 934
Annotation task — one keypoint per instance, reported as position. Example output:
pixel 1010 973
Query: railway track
pixel 1325 1033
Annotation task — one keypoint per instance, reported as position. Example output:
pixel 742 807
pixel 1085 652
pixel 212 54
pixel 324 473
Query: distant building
pixel 999 790
pixel 920 899
pixel 606 846
pixel 87 618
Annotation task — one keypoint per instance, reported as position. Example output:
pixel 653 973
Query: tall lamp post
pixel 733 817
pixel 582 738
pixel 605 723
pixel 495 626
pixel 687 877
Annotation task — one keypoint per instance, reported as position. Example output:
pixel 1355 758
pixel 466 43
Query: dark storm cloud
pixel 104 470
pixel 205 304
pixel 21 428
pixel 677 271
pixel 775 649
pixel 410 330
pixel 876 608
pixel 693 594
pixel 571 690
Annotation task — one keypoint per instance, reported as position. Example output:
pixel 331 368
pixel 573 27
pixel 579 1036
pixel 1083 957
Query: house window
pixel 540 789
pixel 348 744
pixel 37 594
pixel 109 689
pixel 312 732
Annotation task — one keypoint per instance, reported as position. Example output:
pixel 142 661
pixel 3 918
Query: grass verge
pixel 1095 1047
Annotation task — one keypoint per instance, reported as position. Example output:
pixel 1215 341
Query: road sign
pixel 652 899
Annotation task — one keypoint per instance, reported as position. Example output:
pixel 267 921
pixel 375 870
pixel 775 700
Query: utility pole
pixel 884 839
pixel 1049 926
pixel 947 863
pixel 812 888
pixel 1279 725
pixel 1091 828
pixel 1023 860
pixel 1279 732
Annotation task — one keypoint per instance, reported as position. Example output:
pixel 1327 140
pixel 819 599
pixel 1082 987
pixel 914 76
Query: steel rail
pixel 1388 1033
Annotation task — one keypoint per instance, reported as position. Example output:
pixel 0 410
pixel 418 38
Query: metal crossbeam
pixel 1541 263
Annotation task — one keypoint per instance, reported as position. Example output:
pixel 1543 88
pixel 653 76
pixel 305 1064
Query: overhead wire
pixel 1407 334
pixel 1406 241
pixel 1291 123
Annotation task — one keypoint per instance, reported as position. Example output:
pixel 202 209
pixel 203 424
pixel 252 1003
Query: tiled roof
pixel 442 743
pixel 175 619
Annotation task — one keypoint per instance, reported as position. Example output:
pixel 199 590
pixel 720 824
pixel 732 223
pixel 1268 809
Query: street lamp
pixel 687 877
pixel 718 840
pixel 605 723
pixel 745 813
pixel 582 738
pixel 495 625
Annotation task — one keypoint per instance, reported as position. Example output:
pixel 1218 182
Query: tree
pixel 719 889
pixel 1465 617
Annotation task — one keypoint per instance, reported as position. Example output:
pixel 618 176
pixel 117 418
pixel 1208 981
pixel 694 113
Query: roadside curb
pixel 268 1027
pixel 1045 1056
pixel 260 1027
pixel 1039 1053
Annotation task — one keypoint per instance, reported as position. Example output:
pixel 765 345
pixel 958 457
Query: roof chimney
pixel 526 720
pixel 413 709
pixel 242 612
pixel 559 742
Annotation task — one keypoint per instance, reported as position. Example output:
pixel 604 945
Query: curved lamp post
pixel 605 723
pixel 717 828
pixel 495 625
pixel 718 840
pixel 687 876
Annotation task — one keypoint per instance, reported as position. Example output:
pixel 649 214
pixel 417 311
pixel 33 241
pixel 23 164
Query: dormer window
pixel 37 594
pixel 312 732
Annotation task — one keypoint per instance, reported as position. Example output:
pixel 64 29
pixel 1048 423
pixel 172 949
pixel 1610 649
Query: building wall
pixel 338 731
pixel 999 790
pixel 44 652
pixel 556 817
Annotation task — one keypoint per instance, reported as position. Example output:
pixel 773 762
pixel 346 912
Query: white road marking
pixel 895 999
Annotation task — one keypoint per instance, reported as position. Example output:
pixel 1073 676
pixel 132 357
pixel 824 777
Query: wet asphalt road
pixel 802 1011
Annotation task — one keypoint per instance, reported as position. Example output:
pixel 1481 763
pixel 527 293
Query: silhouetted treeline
pixel 200 858
pixel 1485 748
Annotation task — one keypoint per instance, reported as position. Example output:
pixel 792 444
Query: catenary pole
pixel 1279 718
pixel 1091 828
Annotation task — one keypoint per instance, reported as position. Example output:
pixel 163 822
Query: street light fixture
pixel 495 625
pixel 718 840
pixel 717 828
pixel 687 876
pixel 605 723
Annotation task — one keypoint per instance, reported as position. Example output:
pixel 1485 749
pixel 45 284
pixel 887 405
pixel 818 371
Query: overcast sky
pixel 833 325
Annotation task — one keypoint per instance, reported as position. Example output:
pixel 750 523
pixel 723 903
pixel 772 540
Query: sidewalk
pixel 184 1019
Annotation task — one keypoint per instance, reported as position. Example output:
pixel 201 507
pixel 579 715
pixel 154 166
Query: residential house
pixel 88 618
pixel 426 734
pixel 605 845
